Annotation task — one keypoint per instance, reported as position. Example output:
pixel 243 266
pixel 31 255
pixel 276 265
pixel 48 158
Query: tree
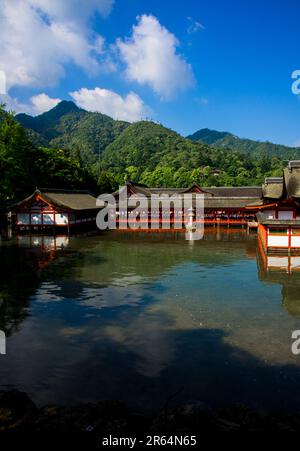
pixel 17 158
pixel 107 183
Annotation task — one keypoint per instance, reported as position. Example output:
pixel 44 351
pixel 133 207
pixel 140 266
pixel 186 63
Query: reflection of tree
pixel 18 281
pixel 290 283
pixel 291 298
pixel 21 272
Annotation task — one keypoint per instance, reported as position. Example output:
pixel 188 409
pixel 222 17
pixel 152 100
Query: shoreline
pixel 18 414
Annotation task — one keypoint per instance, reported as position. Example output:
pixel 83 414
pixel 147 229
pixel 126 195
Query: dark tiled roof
pixel 292 181
pixel 73 200
pixel 221 197
pixel 229 202
pixel 240 192
pixel 273 188
pixel 169 191
pixel 236 191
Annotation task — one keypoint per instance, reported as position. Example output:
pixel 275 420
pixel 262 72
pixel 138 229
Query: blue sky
pixel 224 65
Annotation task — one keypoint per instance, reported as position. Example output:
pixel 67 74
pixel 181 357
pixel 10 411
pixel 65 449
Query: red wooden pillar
pixel 290 237
pixel 289 251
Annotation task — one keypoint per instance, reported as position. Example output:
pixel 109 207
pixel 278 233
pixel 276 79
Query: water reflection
pixel 139 315
pixel 284 271
pixel 21 262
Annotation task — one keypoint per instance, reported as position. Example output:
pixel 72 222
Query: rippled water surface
pixel 145 317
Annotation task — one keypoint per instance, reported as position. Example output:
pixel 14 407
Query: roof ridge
pixel 64 191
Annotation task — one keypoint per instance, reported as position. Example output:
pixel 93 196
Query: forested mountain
pixel 207 136
pixel 157 156
pixel 70 147
pixel 230 141
pixel 68 127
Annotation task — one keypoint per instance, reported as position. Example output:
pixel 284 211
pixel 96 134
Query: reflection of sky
pixel 147 337
pixel 94 297
pixel 161 317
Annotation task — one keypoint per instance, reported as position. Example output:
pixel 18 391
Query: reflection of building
pixel 56 209
pixel 21 266
pixel 279 212
pixel 44 242
pixel 42 249
pixel 279 263
pixel 284 271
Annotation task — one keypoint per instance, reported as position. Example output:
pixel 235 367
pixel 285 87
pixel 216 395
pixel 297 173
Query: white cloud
pixel 42 103
pixel 38 37
pixel 151 57
pixel 12 104
pixel 129 108
pixel 38 104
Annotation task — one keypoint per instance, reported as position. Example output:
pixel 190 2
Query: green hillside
pixel 68 127
pixel 152 154
pixel 230 141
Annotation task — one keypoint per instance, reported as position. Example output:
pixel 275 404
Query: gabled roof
pixel 244 192
pixel 236 191
pixel 132 189
pixel 273 188
pixel 194 189
pixel 292 181
pixel 70 199
pixel 287 186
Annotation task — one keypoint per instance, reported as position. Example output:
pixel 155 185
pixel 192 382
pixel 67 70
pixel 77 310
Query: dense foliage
pixel 154 155
pixel 16 157
pixel 24 166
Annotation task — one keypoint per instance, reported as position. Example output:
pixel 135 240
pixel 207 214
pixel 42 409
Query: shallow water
pixel 148 317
